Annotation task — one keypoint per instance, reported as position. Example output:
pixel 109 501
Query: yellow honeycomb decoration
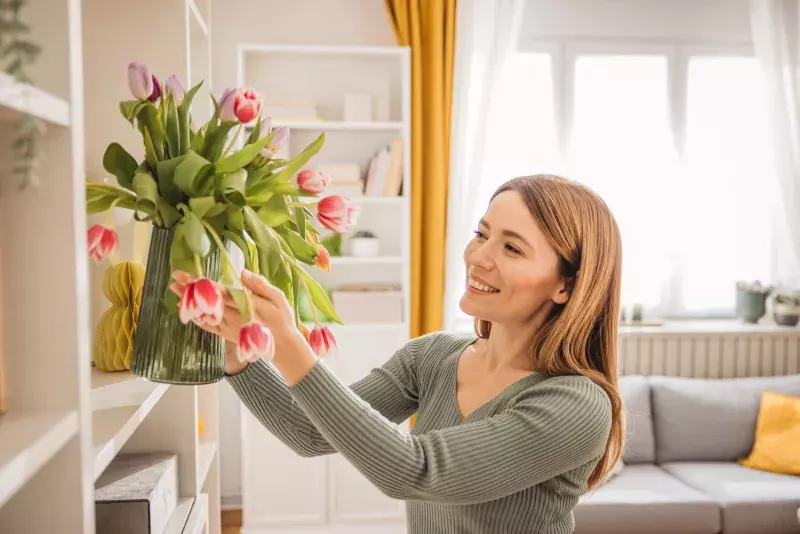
pixel 113 340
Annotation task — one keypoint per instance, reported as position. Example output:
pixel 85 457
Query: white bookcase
pixel 282 492
pixel 66 421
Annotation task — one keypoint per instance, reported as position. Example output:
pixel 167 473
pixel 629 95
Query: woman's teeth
pixel 483 287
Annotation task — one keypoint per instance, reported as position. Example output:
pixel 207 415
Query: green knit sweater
pixel 518 464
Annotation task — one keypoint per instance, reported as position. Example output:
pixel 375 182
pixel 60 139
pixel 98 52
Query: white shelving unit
pixel 329 491
pixel 65 421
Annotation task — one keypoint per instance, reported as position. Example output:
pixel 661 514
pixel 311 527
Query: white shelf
pixel 334 50
pixel 27 442
pixel 198 17
pixel 177 521
pixel 341 125
pixel 120 402
pixel 376 260
pixel 382 201
pixel 17 98
pixel 198 517
pixel 205 455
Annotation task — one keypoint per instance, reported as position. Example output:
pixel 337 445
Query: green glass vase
pixel 164 349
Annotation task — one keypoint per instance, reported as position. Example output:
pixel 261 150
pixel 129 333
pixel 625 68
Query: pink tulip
pixel 323 258
pixel 255 341
pixel 140 80
pixel 336 213
pixel 156 90
pixel 281 136
pixel 102 240
pixel 227 110
pixel 173 85
pixel 201 302
pixel 246 105
pixel 322 342
pixel 313 182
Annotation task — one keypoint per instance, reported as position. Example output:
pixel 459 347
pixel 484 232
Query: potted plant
pixel 202 196
pixel 786 308
pixel 751 300
pixel 364 244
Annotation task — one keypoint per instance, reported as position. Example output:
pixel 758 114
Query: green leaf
pixel 235 219
pixel 215 139
pixel 181 257
pixel 255 132
pixel 268 248
pixel 275 212
pixel 170 302
pixel 283 281
pixel 166 180
pixel 196 145
pixel 205 207
pixel 300 219
pixel 173 132
pixel 146 191
pixel 193 175
pixel 148 118
pixel 301 249
pixel 118 162
pixel 242 157
pixel 183 118
pixel 296 297
pixel 243 245
pixel 232 186
pixel 240 299
pixel 294 164
pixel 195 234
pixel 130 109
pixel 318 295
pixel 149 149
pixel 256 175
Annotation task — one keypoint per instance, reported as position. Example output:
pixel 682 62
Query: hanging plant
pixel 18 52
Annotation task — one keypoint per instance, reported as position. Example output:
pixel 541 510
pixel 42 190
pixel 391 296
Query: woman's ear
pixel 564 291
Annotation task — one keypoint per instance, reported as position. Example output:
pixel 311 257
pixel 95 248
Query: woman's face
pixel 512 271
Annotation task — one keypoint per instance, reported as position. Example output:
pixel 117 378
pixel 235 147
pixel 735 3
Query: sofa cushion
pixel 709 420
pixel 639 441
pixel 753 502
pixel 645 498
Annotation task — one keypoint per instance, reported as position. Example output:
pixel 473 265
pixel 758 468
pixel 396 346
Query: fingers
pixel 259 286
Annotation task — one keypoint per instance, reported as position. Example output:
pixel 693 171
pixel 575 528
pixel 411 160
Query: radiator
pixel 709 350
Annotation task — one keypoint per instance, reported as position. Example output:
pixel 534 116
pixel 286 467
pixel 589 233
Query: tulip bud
pixel 255 341
pixel 304 330
pixel 281 136
pixel 313 182
pixel 101 241
pixel 323 258
pixel 247 105
pixel 322 342
pixel 173 85
pixel 201 302
pixel 337 213
pixel 140 80
pixel 156 90
pixel 226 105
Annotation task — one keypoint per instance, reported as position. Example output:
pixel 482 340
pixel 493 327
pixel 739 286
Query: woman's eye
pixel 512 248
pixel 479 234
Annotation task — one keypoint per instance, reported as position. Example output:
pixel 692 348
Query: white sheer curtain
pixel 485 41
pixel 775 26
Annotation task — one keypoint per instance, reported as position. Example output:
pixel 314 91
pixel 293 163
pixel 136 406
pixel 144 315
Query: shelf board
pixel 17 98
pixel 27 442
pixel 343 126
pixel 198 17
pixel 325 50
pixel 375 260
pixel 383 201
pixel 205 458
pixel 120 402
pixel 177 521
pixel 198 517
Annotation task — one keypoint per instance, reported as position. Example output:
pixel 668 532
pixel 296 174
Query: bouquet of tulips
pixel 193 181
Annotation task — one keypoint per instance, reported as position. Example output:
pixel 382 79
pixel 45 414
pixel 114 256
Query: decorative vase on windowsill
pixel 202 197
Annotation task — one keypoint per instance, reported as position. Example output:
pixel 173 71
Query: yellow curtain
pixel 428 27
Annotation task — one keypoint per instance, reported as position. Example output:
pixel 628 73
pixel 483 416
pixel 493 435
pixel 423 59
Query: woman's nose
pixel 482 256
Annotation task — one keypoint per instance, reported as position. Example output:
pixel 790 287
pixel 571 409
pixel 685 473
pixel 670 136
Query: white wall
pixel 336 22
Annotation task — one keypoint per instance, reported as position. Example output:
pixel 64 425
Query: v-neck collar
pixel 513 387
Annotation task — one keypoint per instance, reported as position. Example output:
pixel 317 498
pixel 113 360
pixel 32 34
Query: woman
pixel 512 425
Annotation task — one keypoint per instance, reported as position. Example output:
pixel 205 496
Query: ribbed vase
pixel 164 349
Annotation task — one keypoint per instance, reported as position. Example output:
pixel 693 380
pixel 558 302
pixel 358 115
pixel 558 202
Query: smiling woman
pixel 514 424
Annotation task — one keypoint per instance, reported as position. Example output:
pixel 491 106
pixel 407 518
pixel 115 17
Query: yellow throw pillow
pixel 777 440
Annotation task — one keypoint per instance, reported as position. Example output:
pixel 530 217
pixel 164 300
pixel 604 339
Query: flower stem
pixel 311 304
pixel 233 140
pixel 227 267
pixel 198 265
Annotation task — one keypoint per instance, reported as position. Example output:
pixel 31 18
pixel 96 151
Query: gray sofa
pixel 680 474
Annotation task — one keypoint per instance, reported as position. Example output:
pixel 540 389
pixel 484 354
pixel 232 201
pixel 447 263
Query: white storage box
pixel 137 494
pixel 368 304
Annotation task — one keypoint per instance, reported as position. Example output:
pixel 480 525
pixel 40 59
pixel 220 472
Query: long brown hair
pixel 579 337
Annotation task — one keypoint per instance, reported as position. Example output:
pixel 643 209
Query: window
pixel 677 145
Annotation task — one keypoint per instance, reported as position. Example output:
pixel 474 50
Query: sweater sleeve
pixel 559 425
pixel 391 389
